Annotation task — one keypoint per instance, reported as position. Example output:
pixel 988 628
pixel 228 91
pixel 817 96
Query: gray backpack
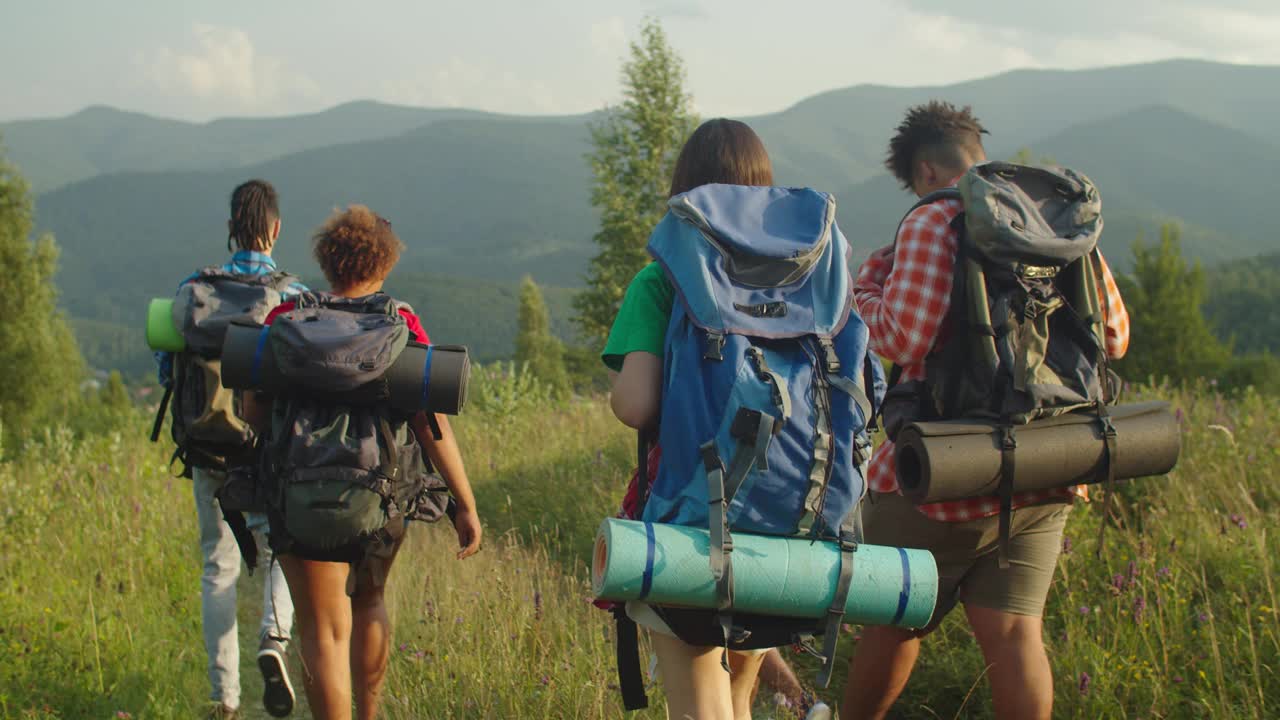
pixel 1025 334
pixel 206 423
pixel 341 468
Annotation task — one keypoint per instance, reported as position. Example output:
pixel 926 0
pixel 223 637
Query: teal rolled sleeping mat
pixel 793 577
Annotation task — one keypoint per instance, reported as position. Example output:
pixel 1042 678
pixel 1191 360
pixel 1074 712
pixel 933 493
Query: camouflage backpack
pixel 340 467
pixel 206 423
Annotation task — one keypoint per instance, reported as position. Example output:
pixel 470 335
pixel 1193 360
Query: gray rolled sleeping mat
pixel 956 459
pixel 420 377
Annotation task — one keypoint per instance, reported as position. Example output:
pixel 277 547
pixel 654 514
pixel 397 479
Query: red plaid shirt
pixel 903 292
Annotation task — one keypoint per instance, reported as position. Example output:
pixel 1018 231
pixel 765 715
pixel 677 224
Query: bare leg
pixel 697 688
pixel 742 683
pixel 370 644
pixel 880 668
pixel 777 674
pixel 1013 646
pixel 323 613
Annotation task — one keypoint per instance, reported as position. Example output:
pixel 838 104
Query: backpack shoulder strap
pixel 950 193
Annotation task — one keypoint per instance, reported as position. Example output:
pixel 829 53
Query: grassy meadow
pixel 100 592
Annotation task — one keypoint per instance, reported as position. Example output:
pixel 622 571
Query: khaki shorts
pixel 968 570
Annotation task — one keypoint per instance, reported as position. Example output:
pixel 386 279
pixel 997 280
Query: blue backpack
pixel 765 409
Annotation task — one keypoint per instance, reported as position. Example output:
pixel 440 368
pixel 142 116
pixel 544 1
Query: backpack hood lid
pixel 770 236
pixel 1022 215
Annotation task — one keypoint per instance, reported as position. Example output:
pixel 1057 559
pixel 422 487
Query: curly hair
pixel 937 131
pixel 355 246
pixel 254 210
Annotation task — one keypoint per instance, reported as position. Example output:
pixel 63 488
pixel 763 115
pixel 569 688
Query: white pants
pixel 218 591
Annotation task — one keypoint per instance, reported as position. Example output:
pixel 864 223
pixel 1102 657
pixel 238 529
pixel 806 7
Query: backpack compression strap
pixel 850 537
pixel 630 680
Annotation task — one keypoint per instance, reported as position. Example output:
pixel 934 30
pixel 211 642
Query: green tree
pixel 1169 334
pixel 636 144
pixel 536 347
pixel 40 363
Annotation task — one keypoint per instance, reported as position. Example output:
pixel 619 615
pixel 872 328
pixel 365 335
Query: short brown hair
pixel 936 131
pixel 254 210
pixel 721 151
pixel 355 246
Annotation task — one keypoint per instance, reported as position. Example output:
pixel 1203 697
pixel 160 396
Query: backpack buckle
pixel 829 356
pixel 715 346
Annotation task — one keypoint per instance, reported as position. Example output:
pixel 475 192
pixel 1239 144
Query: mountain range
pixel 480 199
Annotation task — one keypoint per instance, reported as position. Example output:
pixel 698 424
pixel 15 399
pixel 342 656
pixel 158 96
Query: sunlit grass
pixel 99 584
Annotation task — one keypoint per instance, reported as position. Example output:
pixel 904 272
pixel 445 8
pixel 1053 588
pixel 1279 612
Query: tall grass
pixel 99 583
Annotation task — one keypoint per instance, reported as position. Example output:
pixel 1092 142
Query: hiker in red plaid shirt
pixel 903 292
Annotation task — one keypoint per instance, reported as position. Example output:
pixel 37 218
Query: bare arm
pixel 256 410
pixel 447 459
pixel 637 390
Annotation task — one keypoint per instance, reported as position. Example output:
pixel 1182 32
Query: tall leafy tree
pixel 636 144
pixel 40 363
pixel 1169 334
pixel 536 347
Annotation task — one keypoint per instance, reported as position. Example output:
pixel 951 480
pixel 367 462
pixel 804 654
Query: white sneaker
pixel 819 711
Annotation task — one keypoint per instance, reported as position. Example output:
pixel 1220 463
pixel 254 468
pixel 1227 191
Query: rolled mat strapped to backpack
pixel 787 576
pixel 162 333
pixel 423 377
pixel 956 459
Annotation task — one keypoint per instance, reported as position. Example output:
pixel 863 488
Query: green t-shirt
pixel 641 324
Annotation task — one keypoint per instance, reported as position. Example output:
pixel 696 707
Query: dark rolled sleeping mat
pixel 956 459
pixel 424 377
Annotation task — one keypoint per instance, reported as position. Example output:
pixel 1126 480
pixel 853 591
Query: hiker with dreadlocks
pixel 212 438
pixel 904 292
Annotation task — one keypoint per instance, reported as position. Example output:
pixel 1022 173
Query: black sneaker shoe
pixel 277 692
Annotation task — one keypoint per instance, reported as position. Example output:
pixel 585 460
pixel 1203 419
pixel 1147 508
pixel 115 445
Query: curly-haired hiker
pixel 337 558
pixel 904 292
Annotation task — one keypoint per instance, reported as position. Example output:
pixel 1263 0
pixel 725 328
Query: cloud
pixel 1058 34
pixel 220 66
pixel 609 37
pixel 458 83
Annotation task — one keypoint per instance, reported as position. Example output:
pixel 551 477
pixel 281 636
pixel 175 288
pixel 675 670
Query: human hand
pixel 467 523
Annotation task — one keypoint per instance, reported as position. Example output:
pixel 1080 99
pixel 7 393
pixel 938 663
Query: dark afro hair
pixel 936 130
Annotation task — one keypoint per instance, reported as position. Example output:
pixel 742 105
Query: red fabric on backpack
pixel 629 510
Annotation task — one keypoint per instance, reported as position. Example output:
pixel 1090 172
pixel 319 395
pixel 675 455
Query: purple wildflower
pixel 1084 609
pixel 1117 583
pixel 1132 573
pixel 1066 544
pixel 1084 683
pixel 545 680
pixel 1177 679
pixel 1202 618
pixel 1179 416
pixel 1164 572
pixel 1139 607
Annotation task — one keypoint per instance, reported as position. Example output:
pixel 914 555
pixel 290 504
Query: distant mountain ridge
pixel 494 197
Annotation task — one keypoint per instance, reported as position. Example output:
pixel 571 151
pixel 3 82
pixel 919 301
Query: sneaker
pixel 277 692
pixel 218 711
pixel 819 711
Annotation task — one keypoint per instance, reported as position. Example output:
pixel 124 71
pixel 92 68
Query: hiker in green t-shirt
pixel 719 151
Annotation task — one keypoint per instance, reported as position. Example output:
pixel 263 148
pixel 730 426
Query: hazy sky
pixel 198 60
